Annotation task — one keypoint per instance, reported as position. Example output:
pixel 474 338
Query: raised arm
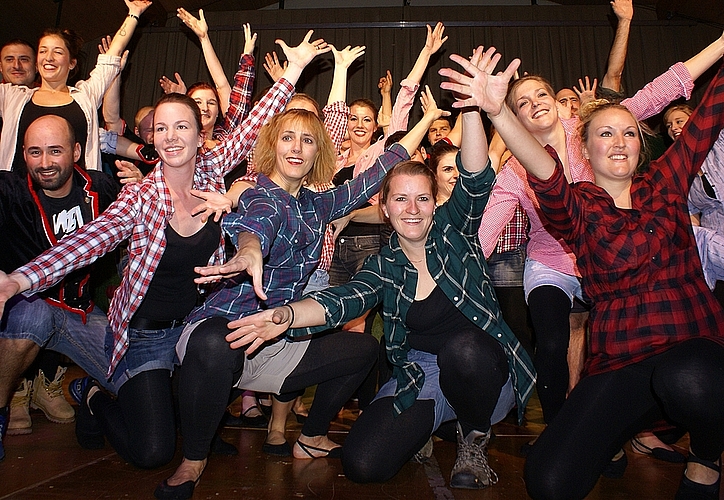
pixel 414 137
pixel 617 57
pixel 112 97
pixel 385 114
pixel 125 32
pixel 487 91
pixel 201 29
pixel 706 58
pixel 342 61
pixel 433 42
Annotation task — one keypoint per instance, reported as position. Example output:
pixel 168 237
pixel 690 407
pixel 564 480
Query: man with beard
pixel 55 199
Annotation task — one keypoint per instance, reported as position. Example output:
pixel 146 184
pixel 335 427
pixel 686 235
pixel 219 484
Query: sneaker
pixel 88 431
pixel 48 397
pixel 4 411
pixel 471 469
pixel 19 421
pixel 424 453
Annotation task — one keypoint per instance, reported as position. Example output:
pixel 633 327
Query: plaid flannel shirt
pixel 290 231
pixel 511 185
pixel 456 263
pixel 239 98
pixel 141 215
pixel 640 266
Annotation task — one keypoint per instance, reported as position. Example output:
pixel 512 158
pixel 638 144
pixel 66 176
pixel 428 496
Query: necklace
pixel 417 261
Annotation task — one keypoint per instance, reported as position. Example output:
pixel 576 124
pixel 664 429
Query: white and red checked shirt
pixel 141 214
pixel 511 185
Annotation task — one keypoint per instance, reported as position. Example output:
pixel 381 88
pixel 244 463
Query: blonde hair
pixel 510 98
pixel 590 109
pixel 684 108
pixel 324 161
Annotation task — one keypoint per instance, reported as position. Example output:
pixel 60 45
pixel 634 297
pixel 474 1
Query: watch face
pixel 148 152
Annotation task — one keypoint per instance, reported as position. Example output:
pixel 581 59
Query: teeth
pixel 618 157
pixel 539 113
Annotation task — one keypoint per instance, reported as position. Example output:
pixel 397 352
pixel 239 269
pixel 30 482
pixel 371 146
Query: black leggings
pixel 337 362
pixel 550 310
pixel 473 369
pixel 140 423
pixel 683 384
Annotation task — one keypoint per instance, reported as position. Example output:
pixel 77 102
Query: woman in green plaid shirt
pixel 453 356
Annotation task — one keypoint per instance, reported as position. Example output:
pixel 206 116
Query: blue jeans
pixel 147 350
pixel 506 269
pixel 350 253
pixel 32 318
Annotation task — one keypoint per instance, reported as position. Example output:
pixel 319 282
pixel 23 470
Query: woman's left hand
pixel 429 106
pixel 302 54
pixel 215 204
pixel 137 7
pixel 587 93
pixel 257 328
pixel 198 26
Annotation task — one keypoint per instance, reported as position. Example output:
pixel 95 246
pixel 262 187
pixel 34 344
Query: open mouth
pixel 540 113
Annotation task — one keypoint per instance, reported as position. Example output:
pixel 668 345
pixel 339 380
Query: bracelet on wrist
pixel 291 320
pixel 134 16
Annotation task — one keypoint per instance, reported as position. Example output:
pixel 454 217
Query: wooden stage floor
pixel 49 464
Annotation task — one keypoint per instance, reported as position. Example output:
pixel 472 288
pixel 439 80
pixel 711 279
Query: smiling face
pixel 613 145
pixel 535 106
pixel 446 175
pixel 54 60
pixel 438 130
pixel 176 135
pixel 675 122
pixel 209 106
pixel 361 125
pixel 410 206
pixel 50 152
pixel 17 63
pixel 296 151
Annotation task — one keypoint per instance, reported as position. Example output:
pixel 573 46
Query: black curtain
pixel 562 43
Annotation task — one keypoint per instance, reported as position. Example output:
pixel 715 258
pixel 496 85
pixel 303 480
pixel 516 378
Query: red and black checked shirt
pixel 140 214
pixel 640 266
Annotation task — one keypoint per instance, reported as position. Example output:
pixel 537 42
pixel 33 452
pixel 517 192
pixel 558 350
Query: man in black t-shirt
pixel 55 199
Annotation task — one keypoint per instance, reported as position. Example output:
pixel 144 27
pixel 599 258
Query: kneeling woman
pixel 453 355
pixel 656 335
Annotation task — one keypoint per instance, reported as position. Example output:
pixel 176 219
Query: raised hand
pixel 257 328
pixel 435 38
pixel 104 46
pixel 198 26
pixel 302 54
pixel 137 7
pixel 429 106
pixel 169 86
pixel 623 9
pixel 345 57
pixel 272 66
pixel 484 90
pixel 249 39
pixel 215 204
pixel 385 83
pixel 587 93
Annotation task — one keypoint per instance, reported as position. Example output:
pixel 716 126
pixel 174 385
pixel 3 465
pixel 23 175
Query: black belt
pixel 154 324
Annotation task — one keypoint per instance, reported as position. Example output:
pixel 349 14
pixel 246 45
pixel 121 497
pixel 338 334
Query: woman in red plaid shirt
pixel 656 348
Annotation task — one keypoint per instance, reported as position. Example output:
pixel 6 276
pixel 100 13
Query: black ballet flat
pixel 662 454
pixel 299 417
pixel 690 490
pixel 335 452
pixel 181 491
pixel 615 468
pixel 278 450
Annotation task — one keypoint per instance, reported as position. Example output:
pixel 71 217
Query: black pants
pixel 140 423
pixel 473 370
pixel 683 384
pixel 550 310
pixel 336 362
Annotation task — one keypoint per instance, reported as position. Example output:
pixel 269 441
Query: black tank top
pixel 172 293
pixel 31 112
pixel 432 319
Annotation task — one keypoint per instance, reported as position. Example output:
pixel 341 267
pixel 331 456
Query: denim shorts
pixel 431 390
pixel 350 253
pixel 506 269
pixel 32 318
pixel 147 350
pixel 318 281
pixel 537 274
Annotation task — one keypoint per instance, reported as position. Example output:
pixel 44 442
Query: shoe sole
pixel 51 417
pixel 20 432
